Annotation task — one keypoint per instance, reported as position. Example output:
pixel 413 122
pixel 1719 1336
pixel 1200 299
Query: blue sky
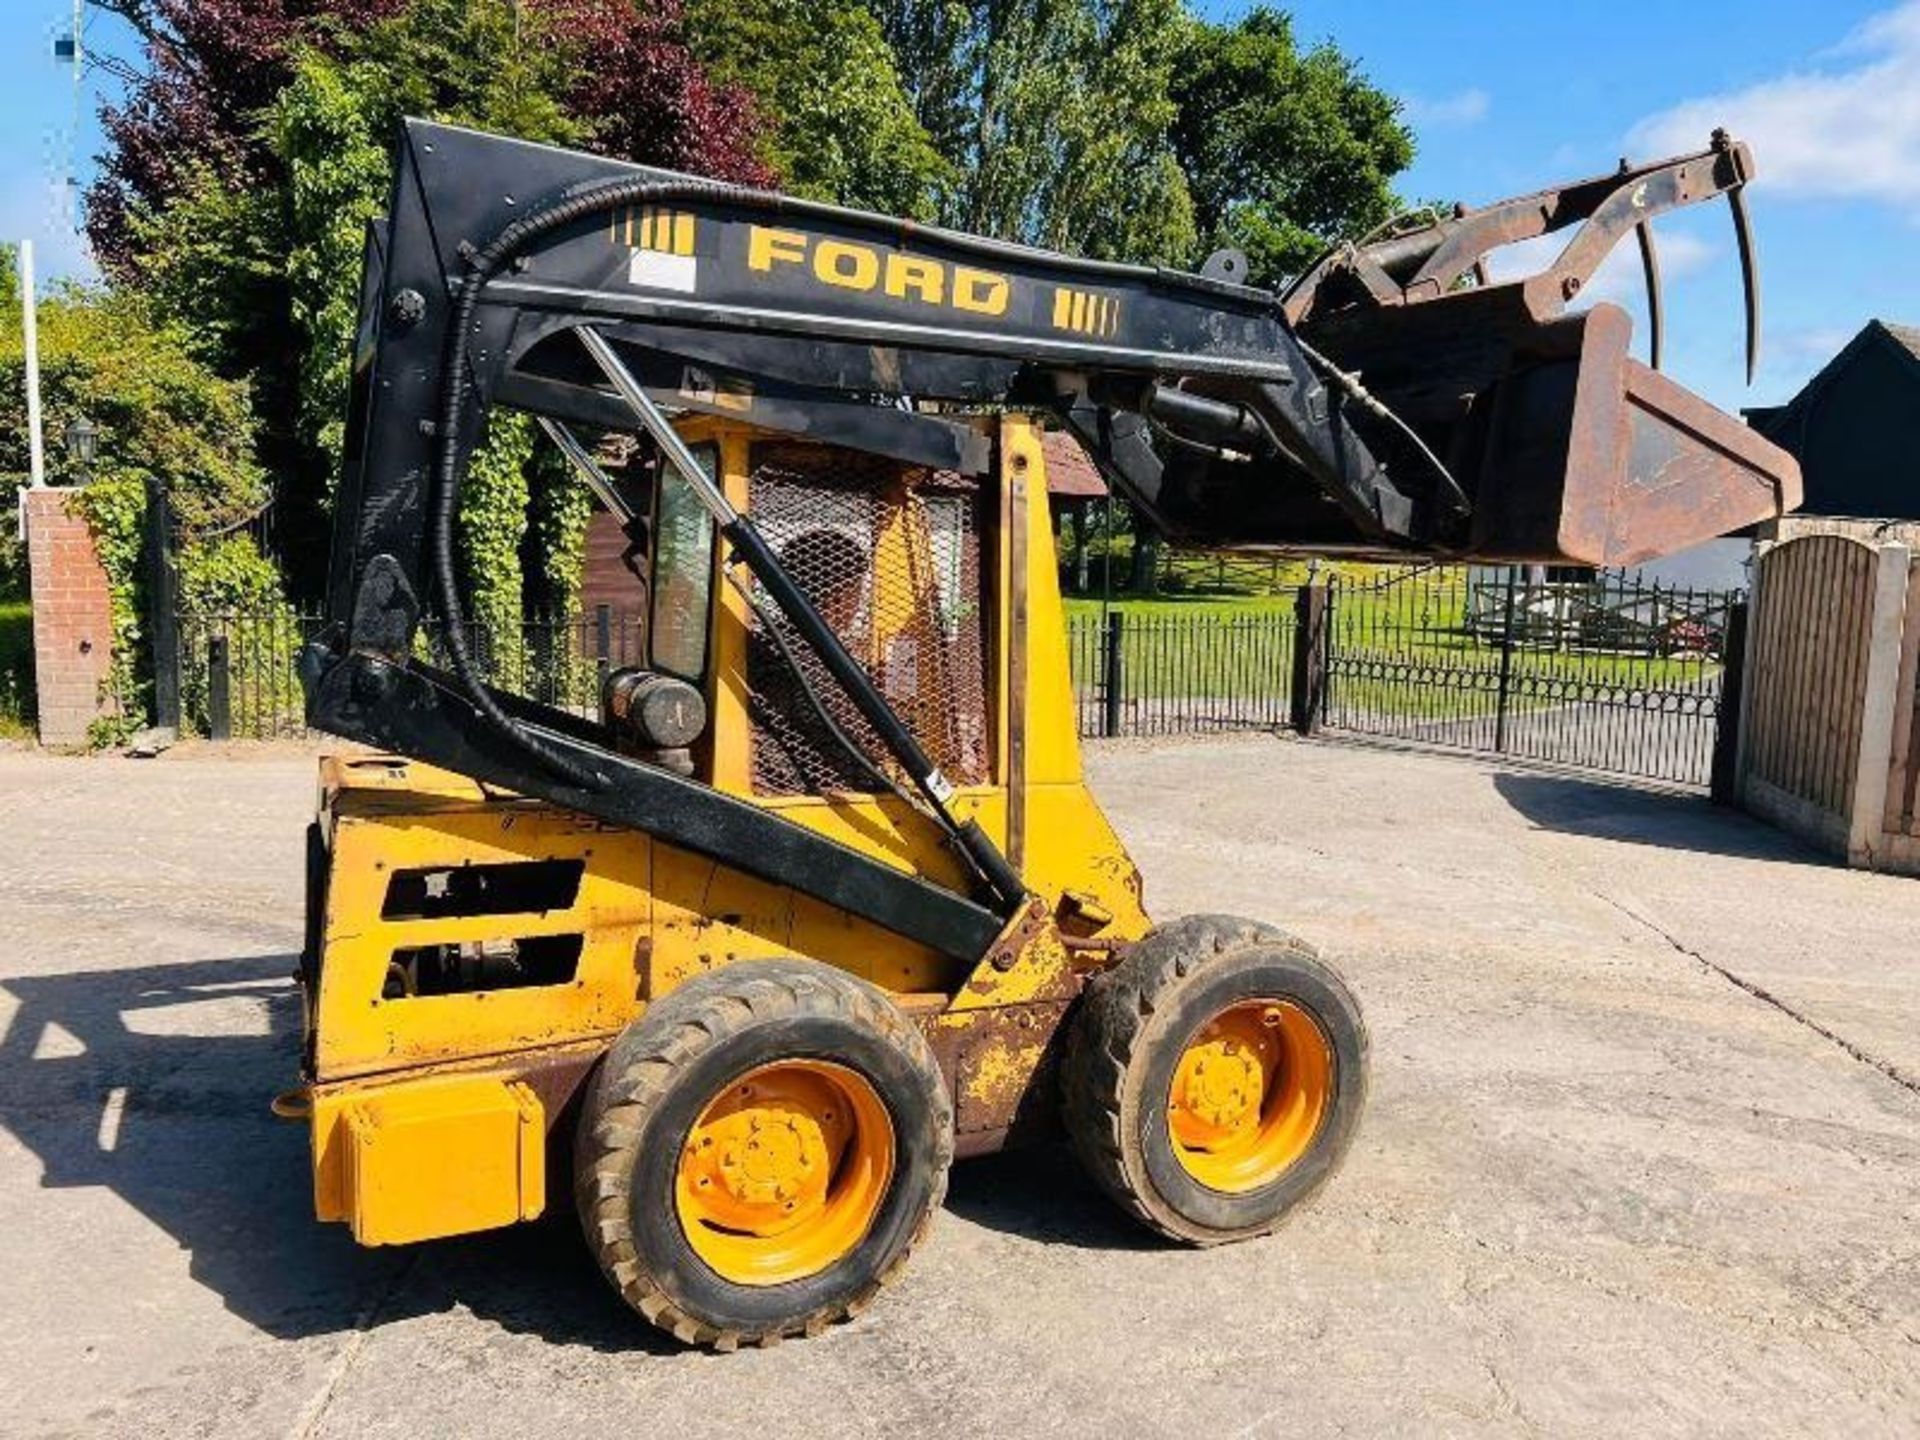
pixel 37 113
pixel 1508 97
pixel 1505 97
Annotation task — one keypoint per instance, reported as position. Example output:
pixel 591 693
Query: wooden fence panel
pixel 1809 653
pixel 1903 768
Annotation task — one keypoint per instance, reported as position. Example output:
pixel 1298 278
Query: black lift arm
pixel 586 290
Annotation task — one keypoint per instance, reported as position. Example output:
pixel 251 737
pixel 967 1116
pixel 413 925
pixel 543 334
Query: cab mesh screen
pixel 891 556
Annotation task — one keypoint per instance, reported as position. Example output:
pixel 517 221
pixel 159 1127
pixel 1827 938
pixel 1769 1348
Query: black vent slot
pixel 480 965
pixel 518 887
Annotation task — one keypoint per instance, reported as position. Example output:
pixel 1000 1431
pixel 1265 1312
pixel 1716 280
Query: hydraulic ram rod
pixel 589 471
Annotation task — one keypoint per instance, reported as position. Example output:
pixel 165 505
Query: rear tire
pixel 726 1106
pixel 1205 1155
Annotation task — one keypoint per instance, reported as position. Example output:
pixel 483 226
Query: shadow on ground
pixel 1041 1194
pixel 153 1083
pixel 1666 819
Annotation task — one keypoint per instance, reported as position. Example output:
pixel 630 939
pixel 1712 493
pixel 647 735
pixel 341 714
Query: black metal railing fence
pixel 1156 674
pixel 238 678
pixel 1607 672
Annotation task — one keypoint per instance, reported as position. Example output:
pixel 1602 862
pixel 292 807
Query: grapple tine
pixel 1749 273
pixel 1656 306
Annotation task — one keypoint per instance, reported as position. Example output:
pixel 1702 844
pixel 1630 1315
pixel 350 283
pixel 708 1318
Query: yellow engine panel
pixel 381 834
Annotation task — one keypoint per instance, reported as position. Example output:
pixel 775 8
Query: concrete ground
pixel 1642 1154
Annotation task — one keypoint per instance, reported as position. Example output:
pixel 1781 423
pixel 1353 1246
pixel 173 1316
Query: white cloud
pixel 1848 128
pixel 1466 107
pixel 1801 349
pixel 1619 278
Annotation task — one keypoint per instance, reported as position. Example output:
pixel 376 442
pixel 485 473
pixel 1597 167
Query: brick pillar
pixel 72 618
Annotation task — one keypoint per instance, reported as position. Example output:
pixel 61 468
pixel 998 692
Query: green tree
pixel 324 130
pixel 1113 186
pixel 839 125
pixel 1134 129
pixel 254 141
pixel 1056 115
pixel 493 520
pixel 13 556
pixel 472 62
pixel 469 63
pixel 1284 152
pixel 937 50
pixel 161 415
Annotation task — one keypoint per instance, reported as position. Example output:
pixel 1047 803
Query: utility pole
pixel 36 451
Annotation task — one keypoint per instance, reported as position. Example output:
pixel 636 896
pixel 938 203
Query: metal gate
pixel 1603 672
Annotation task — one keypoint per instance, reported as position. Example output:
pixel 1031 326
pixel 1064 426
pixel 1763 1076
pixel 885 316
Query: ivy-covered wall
pixel 158 413
pixel 493 516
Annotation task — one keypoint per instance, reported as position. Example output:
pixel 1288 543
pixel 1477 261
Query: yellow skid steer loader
pixel 815 898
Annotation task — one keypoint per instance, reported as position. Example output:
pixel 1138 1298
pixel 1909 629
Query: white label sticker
pixel 660 271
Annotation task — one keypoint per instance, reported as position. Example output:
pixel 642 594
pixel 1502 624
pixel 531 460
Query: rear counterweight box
pixel 429 1158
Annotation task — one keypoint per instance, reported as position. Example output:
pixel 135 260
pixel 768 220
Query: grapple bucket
pixel 1589 457
pixel 1557 445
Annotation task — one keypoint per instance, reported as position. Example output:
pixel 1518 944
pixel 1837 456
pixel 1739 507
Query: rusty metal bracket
pixel 1025 929
pixel 1531 407
pixel 1026 964
pixel 1426 263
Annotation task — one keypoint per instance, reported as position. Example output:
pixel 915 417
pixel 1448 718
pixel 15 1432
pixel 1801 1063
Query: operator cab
pixel 894 556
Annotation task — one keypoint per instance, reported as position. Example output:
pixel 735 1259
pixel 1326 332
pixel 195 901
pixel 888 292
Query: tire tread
pixel 639 1072
pixel 1106 1039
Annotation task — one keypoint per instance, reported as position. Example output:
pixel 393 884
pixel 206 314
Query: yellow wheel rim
pixel 1249 1093
pixel 784 1171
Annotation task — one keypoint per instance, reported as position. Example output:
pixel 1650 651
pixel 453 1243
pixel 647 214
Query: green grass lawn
pixel 1400 650
pixel 16 670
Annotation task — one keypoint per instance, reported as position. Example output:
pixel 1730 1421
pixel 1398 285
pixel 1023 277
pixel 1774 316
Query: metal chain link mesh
pixel 891 556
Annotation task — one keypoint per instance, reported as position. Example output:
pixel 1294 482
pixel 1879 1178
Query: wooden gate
pixel 1824 744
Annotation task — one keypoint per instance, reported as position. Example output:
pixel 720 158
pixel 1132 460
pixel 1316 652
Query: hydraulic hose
pixel 485 264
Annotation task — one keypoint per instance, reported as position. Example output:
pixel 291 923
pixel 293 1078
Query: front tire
pixel 1214 1078
pixel 760 1152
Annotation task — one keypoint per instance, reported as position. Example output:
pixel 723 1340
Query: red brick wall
pixel 72 618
